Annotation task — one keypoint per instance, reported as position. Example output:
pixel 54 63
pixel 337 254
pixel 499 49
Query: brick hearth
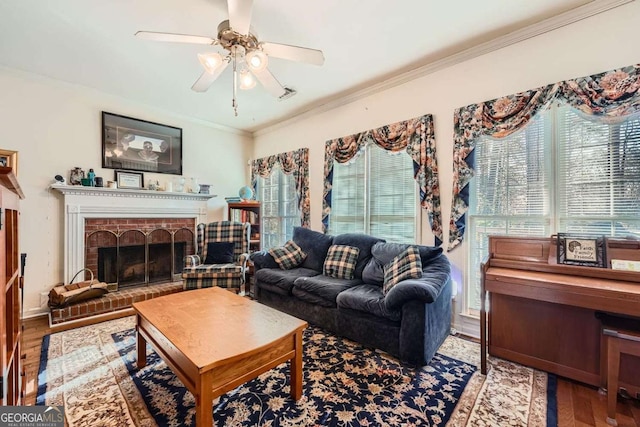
pixel 111 302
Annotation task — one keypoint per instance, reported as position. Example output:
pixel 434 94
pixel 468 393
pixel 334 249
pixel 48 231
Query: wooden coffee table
pixel 214 341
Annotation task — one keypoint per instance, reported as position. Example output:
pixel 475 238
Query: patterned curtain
pixel 417 137
pixel 604 97
pixel 293 162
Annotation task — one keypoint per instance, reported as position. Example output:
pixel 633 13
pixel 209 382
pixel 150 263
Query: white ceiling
pixel 92 43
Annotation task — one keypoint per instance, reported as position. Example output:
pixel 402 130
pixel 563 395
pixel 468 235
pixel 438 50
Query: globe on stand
pixel 245 193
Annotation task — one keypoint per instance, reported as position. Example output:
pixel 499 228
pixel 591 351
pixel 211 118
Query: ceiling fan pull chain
pixel 234 102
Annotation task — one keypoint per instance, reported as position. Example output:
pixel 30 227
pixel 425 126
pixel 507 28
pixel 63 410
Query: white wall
pixel 56 126
pixel 593 45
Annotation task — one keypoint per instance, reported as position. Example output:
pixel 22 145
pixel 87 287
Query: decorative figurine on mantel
pixel 76 176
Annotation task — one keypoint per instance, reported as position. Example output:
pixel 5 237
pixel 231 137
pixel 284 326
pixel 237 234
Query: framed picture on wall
pixel 9 159
pixel 139 145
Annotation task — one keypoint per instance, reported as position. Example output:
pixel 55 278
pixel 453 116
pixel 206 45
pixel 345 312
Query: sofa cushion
pixel 429 253
pixel 263 259
pixel 406 265
pixel 288 256
pixel 373 273
pixel 314 244
pixel 364 242
pixel 322 290
pixel 367 299
pixel 435 277
pixel 220 253
pixel 383 252
pixel 341 262
pixel 282 279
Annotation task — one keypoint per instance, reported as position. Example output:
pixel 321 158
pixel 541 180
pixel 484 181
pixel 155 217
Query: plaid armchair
pixel 196 274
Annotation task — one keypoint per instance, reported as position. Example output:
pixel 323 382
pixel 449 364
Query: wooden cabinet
pixel 248 212
pixel 10 298
pixel 543 314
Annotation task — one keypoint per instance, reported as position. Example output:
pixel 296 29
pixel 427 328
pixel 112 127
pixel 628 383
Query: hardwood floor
pixel 578 405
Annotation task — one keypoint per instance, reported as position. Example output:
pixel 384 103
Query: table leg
pixel 296 368
pixel 613 370
pixel 141 346
pixel 204 400
pixel 483 330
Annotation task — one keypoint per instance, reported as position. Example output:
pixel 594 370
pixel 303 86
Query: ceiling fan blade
pixel 175 38
pixel 240 15
pixel 269 82
pixel 207 78
pixel 294 53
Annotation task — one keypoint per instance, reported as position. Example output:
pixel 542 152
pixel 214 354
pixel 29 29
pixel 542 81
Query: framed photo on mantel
pixel 139 145
pixel 9 159
pixel 582 249
pixel 129 180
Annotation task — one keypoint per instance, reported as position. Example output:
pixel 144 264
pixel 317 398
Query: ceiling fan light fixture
pixel 257 60
pixel 210 61
pixel 246 80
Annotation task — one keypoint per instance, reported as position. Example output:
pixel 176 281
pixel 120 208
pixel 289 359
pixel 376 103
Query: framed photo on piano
pixel 582 249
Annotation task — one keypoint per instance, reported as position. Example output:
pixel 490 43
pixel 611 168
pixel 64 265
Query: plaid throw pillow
pixel 288 256
pixel 341 261
pixel 406 265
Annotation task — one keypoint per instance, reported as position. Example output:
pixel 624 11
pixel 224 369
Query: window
pixel 375 193
pixel 561 173
pixel 280 211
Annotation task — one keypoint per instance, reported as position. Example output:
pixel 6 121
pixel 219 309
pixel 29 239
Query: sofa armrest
pixel 192 261
pixel 263 259
pixel 435 277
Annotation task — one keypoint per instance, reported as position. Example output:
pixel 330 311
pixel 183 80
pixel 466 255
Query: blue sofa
pixel 409 322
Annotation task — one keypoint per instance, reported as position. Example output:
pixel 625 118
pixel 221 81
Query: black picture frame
pixel 129 180
pixel 582 249
pixel 139 145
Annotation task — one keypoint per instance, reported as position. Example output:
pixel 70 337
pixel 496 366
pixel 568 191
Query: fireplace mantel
pixel 121 192
pixel 81 203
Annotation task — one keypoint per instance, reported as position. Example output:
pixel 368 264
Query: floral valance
pixel 292 162
pixel 417 137
pixel 603 96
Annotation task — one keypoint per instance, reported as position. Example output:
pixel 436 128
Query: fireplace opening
pixel 152 253
pixel 127 267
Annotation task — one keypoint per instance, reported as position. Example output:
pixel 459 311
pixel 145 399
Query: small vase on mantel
pixel 194 187
pixel 179 187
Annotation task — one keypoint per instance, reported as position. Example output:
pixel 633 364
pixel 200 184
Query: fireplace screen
pixel 128 266
pixel 133 257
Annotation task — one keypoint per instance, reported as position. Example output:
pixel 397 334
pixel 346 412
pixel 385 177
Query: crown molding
pixel 579 13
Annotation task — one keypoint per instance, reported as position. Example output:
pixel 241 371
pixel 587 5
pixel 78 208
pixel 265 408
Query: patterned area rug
pixel 91 371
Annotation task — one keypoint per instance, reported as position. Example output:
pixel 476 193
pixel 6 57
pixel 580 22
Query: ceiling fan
pixel 248 56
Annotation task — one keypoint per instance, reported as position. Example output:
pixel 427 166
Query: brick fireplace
pixel 137 251
pixel 138 237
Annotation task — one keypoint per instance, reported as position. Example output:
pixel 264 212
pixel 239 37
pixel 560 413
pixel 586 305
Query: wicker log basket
pixel 64 295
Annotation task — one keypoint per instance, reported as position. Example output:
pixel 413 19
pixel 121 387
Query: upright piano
pixel 539 313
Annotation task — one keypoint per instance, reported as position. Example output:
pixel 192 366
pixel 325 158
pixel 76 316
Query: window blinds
pixel 598 175
pixel 348 196
pixel 375 193
pixel 280 211
pixel 510 194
